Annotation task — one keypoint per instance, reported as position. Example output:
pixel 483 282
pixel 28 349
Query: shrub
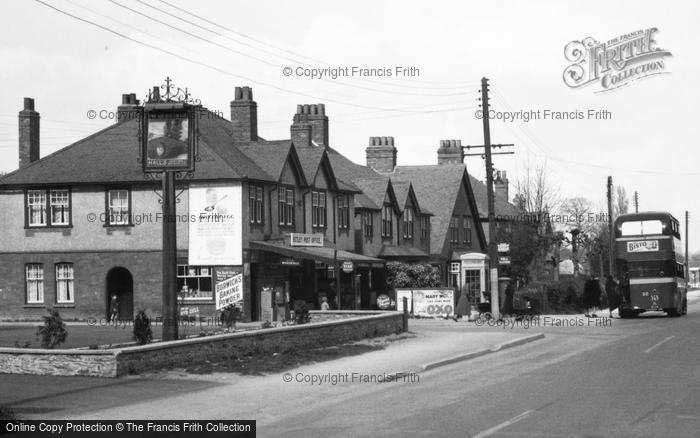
pixel 142 328
pixel 301 312
pixel 400 274
pixel 53 332
pixel 230 315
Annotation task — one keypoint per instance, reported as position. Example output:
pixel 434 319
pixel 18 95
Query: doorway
pixel 121 284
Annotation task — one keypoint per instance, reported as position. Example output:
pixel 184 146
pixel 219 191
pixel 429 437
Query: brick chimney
pixel 301 135
pixel 28 133
pixel 381 154
pixel 127 110
pixel 315 116
pixel 500 184
pixel 244 115
pixel 450 152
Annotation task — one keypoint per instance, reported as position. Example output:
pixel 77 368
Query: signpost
pixel 168 146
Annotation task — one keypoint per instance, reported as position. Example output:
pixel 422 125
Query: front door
pixel 120 284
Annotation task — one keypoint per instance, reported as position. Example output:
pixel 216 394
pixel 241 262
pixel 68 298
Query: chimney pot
pixel 28 104
pixel 244 115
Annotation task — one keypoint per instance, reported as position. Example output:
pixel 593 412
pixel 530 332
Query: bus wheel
pixel 673 313
pixel 685 307
pixel 625 314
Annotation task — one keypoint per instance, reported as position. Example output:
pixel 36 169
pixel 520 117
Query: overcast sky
pixel 648 144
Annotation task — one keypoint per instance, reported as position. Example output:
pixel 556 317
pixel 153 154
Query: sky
pixel 646 143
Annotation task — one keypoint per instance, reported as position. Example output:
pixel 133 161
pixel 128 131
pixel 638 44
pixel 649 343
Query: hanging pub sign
pixel 168 137
pixel 169 130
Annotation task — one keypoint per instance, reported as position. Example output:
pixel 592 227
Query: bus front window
pixel 641 228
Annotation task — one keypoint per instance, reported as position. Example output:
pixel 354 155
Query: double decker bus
pixel 650 264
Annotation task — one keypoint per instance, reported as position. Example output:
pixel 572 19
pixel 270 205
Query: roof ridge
pixel 63 149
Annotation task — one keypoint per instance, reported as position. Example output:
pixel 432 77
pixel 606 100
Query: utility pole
pixel 636 202
pixel 687 262
pixel 493 244
pixel 611 238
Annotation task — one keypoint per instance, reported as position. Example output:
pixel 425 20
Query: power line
pixel 214 68
pixel 220 26
pixel 264 61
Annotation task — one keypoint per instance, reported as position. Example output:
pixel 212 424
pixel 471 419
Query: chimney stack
pixel 127 110
pixel 314 116
pixel 244 115
pixel 301 135
pixel 450 152
pixel 381 154
pixel 28 133
pixel 500 185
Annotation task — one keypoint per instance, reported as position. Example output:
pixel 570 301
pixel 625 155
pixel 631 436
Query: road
pixel 635 377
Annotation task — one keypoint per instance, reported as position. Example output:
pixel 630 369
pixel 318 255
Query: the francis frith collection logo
pixel 616 62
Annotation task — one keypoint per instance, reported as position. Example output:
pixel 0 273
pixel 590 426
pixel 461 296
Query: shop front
pixel 284 275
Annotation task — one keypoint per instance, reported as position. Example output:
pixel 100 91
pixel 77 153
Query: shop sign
pixel 290 262
pixel 504 260
pixel 348 266
pixel 427 302
pixel 383 301
pixel 503 247
pixel 229 291
pixel 305 239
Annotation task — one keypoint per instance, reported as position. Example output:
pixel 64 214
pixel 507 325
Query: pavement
pixel 429 344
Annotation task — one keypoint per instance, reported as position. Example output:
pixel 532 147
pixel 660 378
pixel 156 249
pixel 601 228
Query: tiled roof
pixel 271 156
pixel 374 188
pixel 111 156
pixel 501 206
pixel 401 251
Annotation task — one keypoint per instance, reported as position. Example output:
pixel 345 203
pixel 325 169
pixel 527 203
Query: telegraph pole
pixel 687 262
pixel 493 248
pixel 636 202
pixel 611 238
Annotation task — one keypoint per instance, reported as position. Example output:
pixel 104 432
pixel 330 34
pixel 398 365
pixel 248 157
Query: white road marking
pixel 658 344
pixel 503 425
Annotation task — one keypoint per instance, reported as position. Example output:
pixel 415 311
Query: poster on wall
pixel 427 302
pixel 215 224
pixel 228 287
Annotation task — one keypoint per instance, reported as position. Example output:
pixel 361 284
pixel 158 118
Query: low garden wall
pixel 330 328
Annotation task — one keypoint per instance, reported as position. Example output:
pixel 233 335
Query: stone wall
pixel 142 358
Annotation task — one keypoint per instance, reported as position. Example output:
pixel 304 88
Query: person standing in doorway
pixel 114 309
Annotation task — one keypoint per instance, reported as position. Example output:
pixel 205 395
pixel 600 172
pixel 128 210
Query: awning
pixel 321 254
pixel 391 251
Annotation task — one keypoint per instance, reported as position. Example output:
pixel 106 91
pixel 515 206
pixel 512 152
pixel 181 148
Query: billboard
pixel 427 302
pixel 215 224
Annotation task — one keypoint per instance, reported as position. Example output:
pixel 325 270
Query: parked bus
pixel 650 264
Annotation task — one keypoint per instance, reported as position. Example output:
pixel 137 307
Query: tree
pixel 620 202
pixel 533 235
pixel 400 274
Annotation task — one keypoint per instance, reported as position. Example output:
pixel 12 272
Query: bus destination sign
pixel 643 246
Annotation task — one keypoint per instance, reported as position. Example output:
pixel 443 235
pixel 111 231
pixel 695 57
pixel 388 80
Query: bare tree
pixel 621 203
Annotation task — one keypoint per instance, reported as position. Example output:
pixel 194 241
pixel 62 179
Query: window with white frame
pixel 35 283
pixel 64 283
pixel 36 208
pixel 47 208
pixel 195 282
pixel 318 209
pixel 118 205
pixel 286 206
